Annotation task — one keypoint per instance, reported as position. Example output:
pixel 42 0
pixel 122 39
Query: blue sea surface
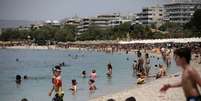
pixel 37 64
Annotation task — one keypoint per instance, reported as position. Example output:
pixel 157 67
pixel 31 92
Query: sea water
pixel 38 64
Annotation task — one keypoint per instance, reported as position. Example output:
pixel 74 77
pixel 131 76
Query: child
pixel 74 85
pixel 190 77
pixel 92 85
pixel 93 74
pixel 57 84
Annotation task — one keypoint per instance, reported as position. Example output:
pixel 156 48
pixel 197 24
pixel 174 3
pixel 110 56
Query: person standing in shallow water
pixel 146 64
pixel 109 70
pixel 190 76
pixel 140 63
pixel 93 74
pixel 57 84
pixel 74 86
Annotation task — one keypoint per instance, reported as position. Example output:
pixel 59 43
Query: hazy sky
pixel 59 9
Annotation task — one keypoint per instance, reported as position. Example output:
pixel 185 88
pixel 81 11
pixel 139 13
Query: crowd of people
pixel 141 67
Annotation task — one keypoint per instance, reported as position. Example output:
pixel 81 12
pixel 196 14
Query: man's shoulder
pixel 191 70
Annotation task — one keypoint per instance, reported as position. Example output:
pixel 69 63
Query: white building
pixel 107 20
pixel 53 22
pixel 181 11
pixel 84 25
pixel 151 15
pixel 101 21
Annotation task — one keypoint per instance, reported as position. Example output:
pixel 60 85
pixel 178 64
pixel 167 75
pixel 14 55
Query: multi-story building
pixel 181 11
pixel 100 21
pixel 105 21
pixel 151 15
pixel 84 25
pixel 53 23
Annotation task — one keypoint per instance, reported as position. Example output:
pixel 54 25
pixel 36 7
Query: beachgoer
pixel 140 79
pixel 18 79
pixel 190 76
pixel 92 85
pixel 57 84
pixel 130 99
pixel 111 99
pixel 146 64
pixel 24 99
pixel 140 63
pixel 109 70
pixel 74 86
pixel 93 74
pixel 83 74
pixel 162 72
pixel 25 77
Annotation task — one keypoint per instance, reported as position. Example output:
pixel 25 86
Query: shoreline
pixel 150 90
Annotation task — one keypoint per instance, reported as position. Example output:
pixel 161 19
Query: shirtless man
pixel 190 77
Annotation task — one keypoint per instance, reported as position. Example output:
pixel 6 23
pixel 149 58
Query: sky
pixel 34 10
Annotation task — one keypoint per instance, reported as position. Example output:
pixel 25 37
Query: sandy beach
pixel 150 90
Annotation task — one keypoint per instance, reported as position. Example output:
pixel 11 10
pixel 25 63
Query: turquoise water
pixel 37 64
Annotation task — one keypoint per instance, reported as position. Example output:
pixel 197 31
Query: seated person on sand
pixel 162 72
pixel 140 79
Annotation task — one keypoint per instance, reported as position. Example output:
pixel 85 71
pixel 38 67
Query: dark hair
pixel 139 54
pixel 18 77
pixel 109 66
pixel 25 77
pixel 130 99
pixel 147 55
pixel 111 99
pixel 24 99
pixel 184 52
pixel 93 71
pixel 84 72
pixel 57 67
pixel 92 81
pixel 74 82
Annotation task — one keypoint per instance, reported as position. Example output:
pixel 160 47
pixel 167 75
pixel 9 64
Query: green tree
pixel 194 25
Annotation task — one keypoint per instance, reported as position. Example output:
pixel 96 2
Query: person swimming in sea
pixel 83 74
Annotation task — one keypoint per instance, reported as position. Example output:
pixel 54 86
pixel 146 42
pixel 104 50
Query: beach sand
pixel 150 90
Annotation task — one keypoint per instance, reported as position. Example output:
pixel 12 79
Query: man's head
pixel 182 56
